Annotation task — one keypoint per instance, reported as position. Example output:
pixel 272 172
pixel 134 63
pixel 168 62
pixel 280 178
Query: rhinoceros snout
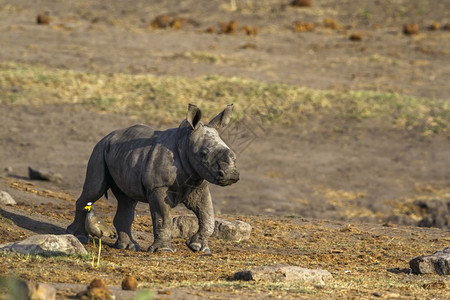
pixel 227 177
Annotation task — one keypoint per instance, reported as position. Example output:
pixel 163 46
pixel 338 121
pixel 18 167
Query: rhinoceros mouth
pixel 228 178
pixel 222 177
pixel 227 182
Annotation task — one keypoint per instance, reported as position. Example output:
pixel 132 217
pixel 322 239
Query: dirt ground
pixel 300 185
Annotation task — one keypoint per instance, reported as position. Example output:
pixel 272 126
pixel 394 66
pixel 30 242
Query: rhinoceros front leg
pixel 123 220
pixel 199 201
pixel 162 221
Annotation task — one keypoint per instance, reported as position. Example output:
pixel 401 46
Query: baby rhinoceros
pixel 163 168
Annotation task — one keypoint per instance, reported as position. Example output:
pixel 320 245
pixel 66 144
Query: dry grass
pixel 362 259
pixel 163 100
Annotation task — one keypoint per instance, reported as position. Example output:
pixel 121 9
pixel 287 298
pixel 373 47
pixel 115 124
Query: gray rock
pixel 438 213
pixel 284 273
pixel 47 244
pixel 437 263
pixel 236 231
pixel 184 226
pixel 44 175
pixel 6 199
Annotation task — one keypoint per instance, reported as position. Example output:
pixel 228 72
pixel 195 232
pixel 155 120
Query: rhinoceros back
pixel 139 158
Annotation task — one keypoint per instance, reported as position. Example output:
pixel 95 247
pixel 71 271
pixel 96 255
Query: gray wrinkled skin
pixel 163 168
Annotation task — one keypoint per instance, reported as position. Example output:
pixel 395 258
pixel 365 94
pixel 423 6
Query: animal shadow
pixel 26 222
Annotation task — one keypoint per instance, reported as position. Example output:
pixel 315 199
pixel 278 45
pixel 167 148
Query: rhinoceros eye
pixel 204 152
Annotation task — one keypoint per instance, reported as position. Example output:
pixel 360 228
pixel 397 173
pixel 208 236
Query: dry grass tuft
pixel 163 100
pixel 332 24
pixel 161 22
pixel 435 26
pixel 249 30
pixel 228 27
pixel 302 26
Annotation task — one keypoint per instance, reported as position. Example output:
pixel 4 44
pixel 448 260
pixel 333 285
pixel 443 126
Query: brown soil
pixel 294 178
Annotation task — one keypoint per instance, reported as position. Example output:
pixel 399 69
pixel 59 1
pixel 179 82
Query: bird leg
pixel 93 253
pixel 99 250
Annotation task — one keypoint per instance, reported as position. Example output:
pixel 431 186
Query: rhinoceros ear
pixel 221 120
pixel 194 114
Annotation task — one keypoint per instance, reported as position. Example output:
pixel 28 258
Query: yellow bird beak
pixel 87 207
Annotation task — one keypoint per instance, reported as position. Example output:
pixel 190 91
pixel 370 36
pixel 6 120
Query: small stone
pixel 129 283
pixel 43 19
pixel 47 244
pixel 437 213
pixel 6 199
pixel 44 175
pixel 410 29
pixel 248 46
pixel 211 29
pixel 184 226
pixel 9 169
pixel 301 3
pixel 437 263
pixel 355 37
pixel 98 283
pixel 284 273
pixel 377 294
pixel 161 22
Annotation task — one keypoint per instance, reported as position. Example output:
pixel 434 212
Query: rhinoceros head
pixel 208 154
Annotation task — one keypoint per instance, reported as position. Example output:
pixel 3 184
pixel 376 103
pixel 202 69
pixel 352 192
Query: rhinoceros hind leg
pixel 123 220
pixel 124 242
pixel 198 246
pixel 95 186
pixel 162 246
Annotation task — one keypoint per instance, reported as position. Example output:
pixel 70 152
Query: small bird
pixel 97 229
